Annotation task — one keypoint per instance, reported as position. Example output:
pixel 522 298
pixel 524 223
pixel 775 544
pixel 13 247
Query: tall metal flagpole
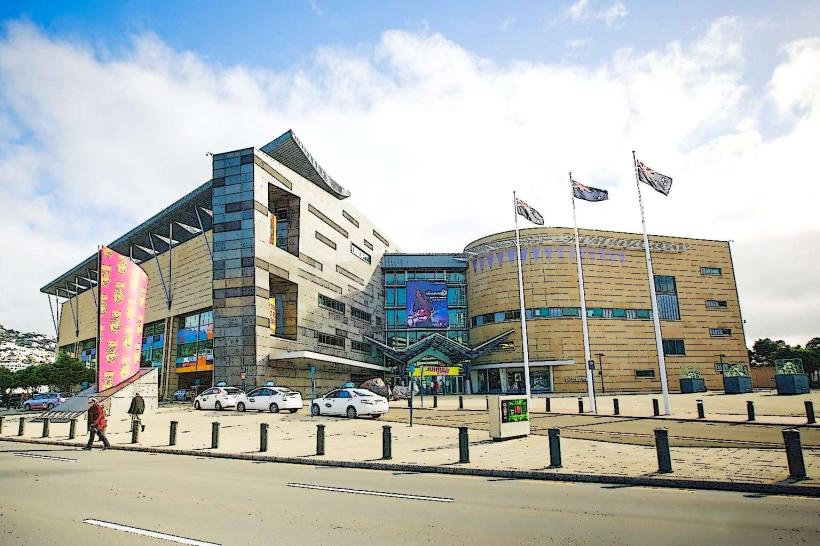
pixel 523 311
pixel 667 408
pixel 593 404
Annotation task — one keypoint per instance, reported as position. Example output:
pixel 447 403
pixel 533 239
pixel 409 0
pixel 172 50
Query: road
pixel 47 492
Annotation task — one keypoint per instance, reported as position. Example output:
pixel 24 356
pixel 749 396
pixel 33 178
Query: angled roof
pixel 437 343
pixel 290 152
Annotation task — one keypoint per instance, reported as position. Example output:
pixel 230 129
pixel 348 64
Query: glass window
pixel 344 394
pixel 710 271
pixel 720 332
pixel 330 303
pixel 498 316
pixel 715 304
pixel 390 296
pixel 595 312
pixel 667 297
pixel 570 312
pixel 401 297
pixel 401 318
pixel 645 374
pixel 359 253
pixel 674 347
pixel 400 279
pixel 389 278
pixel 619 313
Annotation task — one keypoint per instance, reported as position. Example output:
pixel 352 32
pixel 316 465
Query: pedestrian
pixel 135 410
pixel 96 424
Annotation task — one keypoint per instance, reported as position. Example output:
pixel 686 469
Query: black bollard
pixel 409 402
pixel 662 447
pixel 487 399
pixel 172 440
pixel 460 402
pixel 45 428
pixel 72 429
pixel 21 426
pixel 263 436
pixel 656 410
pixel 580 405
pixel 435 400
pixel 701 413
pixel 555 447
pixel 547 404
pixel 794 453
pixel 750 410
pixel 215 435
pixel 463 445
pixel 1 424
pixel 320 439
pixel 810 411
pixel 616 407
pixel 387 442
pixel 135 432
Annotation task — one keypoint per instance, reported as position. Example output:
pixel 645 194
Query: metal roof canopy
pixel 183 211
pixel 424 261
pixel 290 152
pixel 436 342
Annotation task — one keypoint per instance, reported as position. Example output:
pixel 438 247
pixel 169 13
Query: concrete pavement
pixel 240 502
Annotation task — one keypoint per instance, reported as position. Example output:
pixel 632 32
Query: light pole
pixel 601 371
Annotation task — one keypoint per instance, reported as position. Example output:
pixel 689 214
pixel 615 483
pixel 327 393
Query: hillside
pixel 18 349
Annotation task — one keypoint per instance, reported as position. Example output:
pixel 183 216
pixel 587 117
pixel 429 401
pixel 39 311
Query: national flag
pixel 660 182
pixel 588 193
pixel 528 212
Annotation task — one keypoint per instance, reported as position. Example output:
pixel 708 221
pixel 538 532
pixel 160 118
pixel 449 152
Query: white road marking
pixel 49 457
pixel 147 533
pixel 368 492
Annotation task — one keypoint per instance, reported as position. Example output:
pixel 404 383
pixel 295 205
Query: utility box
pixel 509 417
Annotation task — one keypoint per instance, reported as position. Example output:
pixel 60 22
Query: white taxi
pixel 350 402
pixel 218 398
pixel 271 399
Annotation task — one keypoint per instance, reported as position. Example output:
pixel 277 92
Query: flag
pixel 588 193
pixel 660 182
pixel 528 212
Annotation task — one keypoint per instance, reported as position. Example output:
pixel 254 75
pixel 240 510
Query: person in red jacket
pixel 96 424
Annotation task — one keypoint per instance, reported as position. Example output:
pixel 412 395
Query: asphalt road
pixel 47 492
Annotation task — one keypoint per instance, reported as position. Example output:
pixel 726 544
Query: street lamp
pixel 601 371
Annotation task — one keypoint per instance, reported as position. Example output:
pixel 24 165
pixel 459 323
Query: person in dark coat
pixel 96 424
pixel 136 409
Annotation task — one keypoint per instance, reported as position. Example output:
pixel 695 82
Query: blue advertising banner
pixel 427 304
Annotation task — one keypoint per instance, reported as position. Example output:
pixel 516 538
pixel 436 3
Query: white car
pixel 351 402
pixel 270 399
pixel 218 398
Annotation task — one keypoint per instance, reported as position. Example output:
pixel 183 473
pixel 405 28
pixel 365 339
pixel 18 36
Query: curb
pixel 709 485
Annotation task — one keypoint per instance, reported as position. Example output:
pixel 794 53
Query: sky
pixel 431 114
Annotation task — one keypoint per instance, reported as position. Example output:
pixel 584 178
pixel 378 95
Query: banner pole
pixel 593 403
pixel 651 277
pixel 521 299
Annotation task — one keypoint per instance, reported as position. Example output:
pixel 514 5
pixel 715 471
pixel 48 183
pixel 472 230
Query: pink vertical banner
pixel 123 289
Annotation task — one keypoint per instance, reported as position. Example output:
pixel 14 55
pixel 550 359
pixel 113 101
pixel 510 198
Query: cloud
pixel 315 7
pixel 92 144
pixel 610 15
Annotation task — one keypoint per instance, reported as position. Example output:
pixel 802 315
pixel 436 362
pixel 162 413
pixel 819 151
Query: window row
pixel 400 278
pixel 397 297
pixel 397 318
pixel 562 312
pixel 400 340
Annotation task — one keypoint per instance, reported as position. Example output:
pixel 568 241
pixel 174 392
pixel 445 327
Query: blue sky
pixel 107 110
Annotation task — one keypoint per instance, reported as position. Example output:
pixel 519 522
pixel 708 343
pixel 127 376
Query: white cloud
pixel 610 15
pixel 91 146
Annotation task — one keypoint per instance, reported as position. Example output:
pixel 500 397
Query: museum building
pixel 266 272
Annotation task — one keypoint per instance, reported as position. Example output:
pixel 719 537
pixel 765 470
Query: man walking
pixel 136 409
pixel 96 424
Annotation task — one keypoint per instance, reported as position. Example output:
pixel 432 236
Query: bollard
pixel 72 429
pixel 547 404
pixel 1 424
pixel 701 414
pixel 810 411
pixel 656 410
pixel 387 442
pixel 794 453
pixel 435 400
pixel 463 445
pixel 662 447
pixel 750 410
pixel 580 405
pixel 263 436
pixel 616 407
pixel 460 402
pixel 45 428
pixel 409 402
pixel 135 431
pixel 172 441
pixel 487 399
pixel 555 447
pixel 215 435
pixel 320 439
pixel 21 426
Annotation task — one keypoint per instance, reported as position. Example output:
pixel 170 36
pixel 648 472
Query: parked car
pixel 351 402
pixel 218 398
pixel 270 399
pixel 44 401
pixel 179 395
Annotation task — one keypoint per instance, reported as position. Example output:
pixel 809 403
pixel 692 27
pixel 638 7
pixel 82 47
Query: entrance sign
pixel 433 371
pixel 509 417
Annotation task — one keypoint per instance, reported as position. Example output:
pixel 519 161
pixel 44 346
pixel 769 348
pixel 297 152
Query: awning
pixel 440 346
pixel 281 354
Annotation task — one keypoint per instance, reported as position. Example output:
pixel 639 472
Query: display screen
pixel 427 304
pixel 515 410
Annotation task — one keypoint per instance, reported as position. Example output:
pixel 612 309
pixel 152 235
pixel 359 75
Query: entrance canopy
pixel 440 348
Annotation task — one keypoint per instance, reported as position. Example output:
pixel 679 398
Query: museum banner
pixel 427 304
pixel 123 289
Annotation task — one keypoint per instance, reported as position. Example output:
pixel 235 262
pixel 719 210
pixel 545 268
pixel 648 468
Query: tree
pixel 67 372
pixel 6 379
pixel 813 344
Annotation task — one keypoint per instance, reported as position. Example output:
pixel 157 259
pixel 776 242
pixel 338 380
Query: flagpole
pixel 593 404
pixel 655 318
pixel 521 300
